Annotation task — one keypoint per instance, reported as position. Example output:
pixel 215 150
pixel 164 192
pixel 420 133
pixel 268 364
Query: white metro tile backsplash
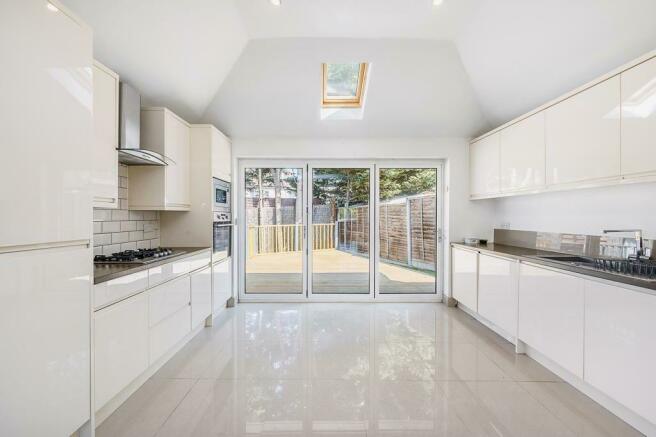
pixel 115 230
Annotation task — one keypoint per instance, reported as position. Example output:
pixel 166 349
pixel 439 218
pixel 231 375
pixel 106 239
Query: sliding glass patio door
pixel 343 231
pixel 340 230
pixel 274 222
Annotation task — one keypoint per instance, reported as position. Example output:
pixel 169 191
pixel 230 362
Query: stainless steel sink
pixel 643 270
pixel 567 259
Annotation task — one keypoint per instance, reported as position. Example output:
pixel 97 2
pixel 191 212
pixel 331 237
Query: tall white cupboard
pixel 45 229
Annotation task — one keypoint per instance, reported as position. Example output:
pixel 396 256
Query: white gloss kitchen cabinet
pixel 464 280
pixel 583 135
pixel 521 155
pixel 45 256
pixel 619 345
pixel 639 120
pixel 170 315
pixel 551 306
pixel 221 284
pixel 201 295
pixel 121 346
pixel 221 156
pixel 165 188
pixel 104 174
pixel 484 166
pixel 497 291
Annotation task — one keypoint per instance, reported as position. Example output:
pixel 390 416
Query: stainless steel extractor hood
pixel 129 147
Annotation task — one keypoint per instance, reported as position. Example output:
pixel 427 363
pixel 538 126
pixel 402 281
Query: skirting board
pixel 488 324
pixel 103 413
pixel 608 403
pixel 636 421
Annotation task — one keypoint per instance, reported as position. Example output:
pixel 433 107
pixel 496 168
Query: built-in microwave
pixel 221 195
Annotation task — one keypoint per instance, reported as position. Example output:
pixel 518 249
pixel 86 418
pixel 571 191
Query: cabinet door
pixel 201 296
pixel 619 346
pixel 169 332
pixel 484 166
pixel 44 333
pixel 522 154
pixel 465 277
pixel 121 346
pixel 497 292
pixel 551 315
pixel 221 156
pixel 169 298
pixel 177 172
pixel 47 125
pixel 583 135
pixel 221 284
pixel 104 176
pixel 639 119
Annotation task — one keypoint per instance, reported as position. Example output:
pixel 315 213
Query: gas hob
pixel 141 256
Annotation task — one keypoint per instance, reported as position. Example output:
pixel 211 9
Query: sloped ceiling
pixel 482 63
pixel 416 88
pixel 177 53
pixel 520 54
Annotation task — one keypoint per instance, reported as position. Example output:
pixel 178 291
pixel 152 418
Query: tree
pixel 401 182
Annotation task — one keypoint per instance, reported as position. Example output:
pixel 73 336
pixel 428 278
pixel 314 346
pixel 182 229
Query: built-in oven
pixel 222 241
pixel 221 195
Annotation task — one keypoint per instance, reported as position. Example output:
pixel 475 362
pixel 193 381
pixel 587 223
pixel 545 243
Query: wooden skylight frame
pixel 343 102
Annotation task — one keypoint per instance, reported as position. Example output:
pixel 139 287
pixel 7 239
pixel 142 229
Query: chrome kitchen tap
pixel 640 251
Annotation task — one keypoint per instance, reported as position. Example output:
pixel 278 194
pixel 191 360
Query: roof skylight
pixel 343 85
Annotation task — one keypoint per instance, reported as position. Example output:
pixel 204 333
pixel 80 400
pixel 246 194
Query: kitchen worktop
pixel 531 255
pixel 107 272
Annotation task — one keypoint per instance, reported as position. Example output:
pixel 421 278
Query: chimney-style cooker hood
pixel 129 147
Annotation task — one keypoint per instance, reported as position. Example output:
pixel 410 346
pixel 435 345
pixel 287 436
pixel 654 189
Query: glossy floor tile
pixel 355 370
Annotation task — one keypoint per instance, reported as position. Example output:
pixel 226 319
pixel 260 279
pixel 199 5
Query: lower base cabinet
pixel 551 307
pixel 620 358
pixel 464 287
pixel 169 332
pixel 201 296
pixel 222 284
pixel 497 292
pixel 121 346
pixel 170 315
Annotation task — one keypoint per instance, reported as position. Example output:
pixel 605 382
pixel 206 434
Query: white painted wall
pixel 462 217
pixel 583 211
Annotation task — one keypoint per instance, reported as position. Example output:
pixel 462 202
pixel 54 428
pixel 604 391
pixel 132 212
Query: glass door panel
pixel 408 230
pixel 340 231
pixel 274 231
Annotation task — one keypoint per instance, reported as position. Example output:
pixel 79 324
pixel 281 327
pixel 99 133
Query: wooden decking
pixel 334 272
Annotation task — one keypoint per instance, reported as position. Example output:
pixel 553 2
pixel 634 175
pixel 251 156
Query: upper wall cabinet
pixel 583 135
pixel 47 126
pixel 522 155
pixel 104 175
pixel 639 119
pixel 600 134
pixel 484 166
pixel 162 188
pixel 221 156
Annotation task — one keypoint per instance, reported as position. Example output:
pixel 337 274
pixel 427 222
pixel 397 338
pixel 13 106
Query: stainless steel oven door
pixel 222 240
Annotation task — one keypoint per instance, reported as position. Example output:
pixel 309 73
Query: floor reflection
pixel 354 370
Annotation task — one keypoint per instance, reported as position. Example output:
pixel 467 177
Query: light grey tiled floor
pixel 348 370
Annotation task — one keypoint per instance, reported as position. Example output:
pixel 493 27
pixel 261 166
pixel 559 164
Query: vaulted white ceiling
pixel 485 61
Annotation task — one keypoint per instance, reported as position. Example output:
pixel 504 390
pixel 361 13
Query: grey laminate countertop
pixel 107 272
pixel 531 255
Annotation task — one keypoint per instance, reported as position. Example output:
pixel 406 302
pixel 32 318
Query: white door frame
pixel 307 165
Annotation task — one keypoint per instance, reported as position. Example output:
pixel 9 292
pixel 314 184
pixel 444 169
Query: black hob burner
pixel 141 256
